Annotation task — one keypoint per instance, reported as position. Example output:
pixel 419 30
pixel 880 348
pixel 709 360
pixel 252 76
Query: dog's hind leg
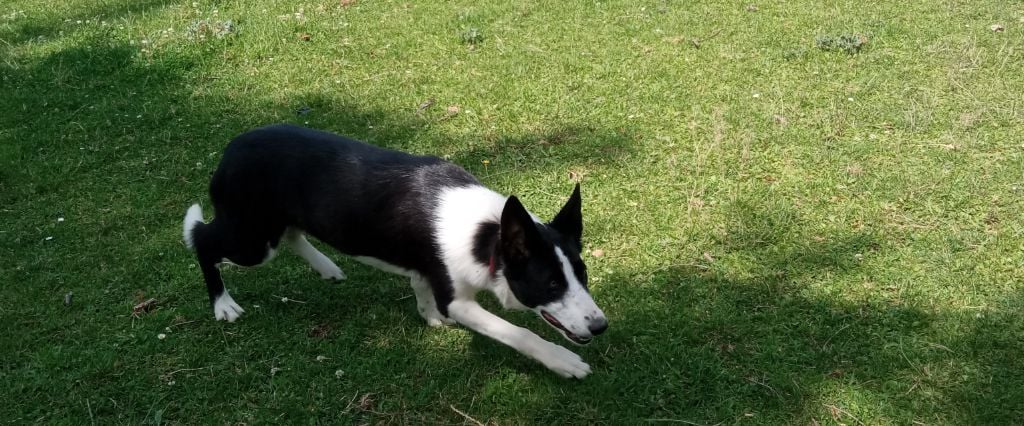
pixel 425 302
pixel 319 261
pixel 209 246
pixel 224 307
pixel 228 241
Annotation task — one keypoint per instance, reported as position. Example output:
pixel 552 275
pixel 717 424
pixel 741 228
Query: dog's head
pixel 544 271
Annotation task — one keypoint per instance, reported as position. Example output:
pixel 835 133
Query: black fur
pixel 485 244
pixel 569 220
pixel 361 199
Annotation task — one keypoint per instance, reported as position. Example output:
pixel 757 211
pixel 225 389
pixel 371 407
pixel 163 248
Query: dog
pixel 418 216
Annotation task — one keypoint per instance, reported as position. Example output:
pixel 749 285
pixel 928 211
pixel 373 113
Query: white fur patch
pixel 576 308
pixel 193 216
pixel 226 309
pixel 459 212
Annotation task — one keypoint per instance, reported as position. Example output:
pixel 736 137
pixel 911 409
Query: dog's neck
pixel 461 215
pixel 498 284
pixel 495 259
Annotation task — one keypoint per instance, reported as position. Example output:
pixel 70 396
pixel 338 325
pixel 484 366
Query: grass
pixel 790 234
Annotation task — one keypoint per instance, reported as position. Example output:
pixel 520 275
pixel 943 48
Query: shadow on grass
pixel 759 346
pixel 993 392
pixel 119 145
pixel 702 344
pixel 41 28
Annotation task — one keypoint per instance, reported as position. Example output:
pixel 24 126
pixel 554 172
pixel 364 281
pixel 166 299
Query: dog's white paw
pixel 331 272
pixel 433 317
pixel 327 269
pixel 438 321
pixel 226 309
pixel 563 361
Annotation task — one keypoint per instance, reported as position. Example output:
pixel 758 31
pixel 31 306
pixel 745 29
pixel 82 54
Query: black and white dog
pixel 421 217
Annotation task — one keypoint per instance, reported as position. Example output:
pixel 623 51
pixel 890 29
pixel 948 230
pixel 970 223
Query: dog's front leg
pixel 557 358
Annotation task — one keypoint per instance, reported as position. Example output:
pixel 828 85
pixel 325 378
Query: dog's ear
pixel 519 234
pixel 569 221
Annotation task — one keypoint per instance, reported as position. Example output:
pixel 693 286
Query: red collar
pixel 492 269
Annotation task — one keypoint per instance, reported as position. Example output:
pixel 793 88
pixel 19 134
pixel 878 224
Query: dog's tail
pixel 193 219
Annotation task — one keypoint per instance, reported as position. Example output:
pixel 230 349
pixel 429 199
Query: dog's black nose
pixel 598 326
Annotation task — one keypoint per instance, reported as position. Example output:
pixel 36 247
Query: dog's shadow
pixel 747 332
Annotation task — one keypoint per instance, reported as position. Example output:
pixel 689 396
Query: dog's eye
pixel 553 285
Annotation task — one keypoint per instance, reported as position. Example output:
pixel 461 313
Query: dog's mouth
pixel 565 332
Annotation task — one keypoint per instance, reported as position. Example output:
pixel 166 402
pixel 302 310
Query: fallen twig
pixel 697 41
pixel 182 370
pixel 182 323
pixel 286 299
pixel 680 421
pixel 767 386
pixel 146 306
pixel 842 411
pixel 466 416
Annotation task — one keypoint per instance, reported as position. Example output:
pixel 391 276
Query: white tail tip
pixel 193 216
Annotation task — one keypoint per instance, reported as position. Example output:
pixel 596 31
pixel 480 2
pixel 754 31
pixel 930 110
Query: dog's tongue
pixel 561 327
pixel 552 320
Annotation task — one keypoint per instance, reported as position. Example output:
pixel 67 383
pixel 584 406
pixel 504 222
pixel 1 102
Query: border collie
pixel 421 217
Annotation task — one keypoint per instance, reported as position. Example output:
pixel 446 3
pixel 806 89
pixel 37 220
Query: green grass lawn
pixel 785 233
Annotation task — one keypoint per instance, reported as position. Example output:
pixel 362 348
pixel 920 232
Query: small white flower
pixel 49 238
pixel 339 373
pixel 161 336
pixel 60 219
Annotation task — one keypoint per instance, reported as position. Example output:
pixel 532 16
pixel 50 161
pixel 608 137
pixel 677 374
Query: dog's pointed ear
pixel 569 221
pixel 519 233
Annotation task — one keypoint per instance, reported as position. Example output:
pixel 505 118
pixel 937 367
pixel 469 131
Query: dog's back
pixel 362 199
